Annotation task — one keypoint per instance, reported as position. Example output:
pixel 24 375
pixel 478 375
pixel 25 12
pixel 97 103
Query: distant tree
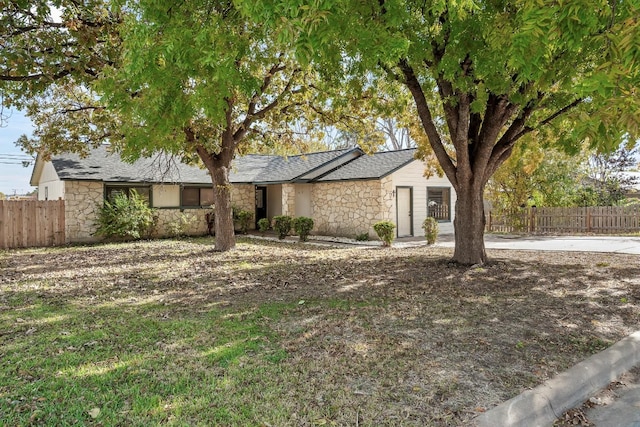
pixel 607 183
pixel 536 176
pixel 3 196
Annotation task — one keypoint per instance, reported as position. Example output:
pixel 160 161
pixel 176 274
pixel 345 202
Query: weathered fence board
pixel 28 223
pixel 596 220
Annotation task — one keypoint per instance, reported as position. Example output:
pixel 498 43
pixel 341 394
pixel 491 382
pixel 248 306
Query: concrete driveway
pixel 614 244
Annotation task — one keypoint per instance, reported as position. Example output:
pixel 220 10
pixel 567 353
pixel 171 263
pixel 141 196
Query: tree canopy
pixel 201 81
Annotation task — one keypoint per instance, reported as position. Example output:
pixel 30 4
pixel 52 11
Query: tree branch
pixel 31 77
pixel 427 122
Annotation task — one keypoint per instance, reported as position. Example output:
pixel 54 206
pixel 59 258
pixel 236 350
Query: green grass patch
pixel 137 365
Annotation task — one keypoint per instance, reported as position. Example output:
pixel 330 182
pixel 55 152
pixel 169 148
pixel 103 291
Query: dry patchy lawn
pixel 278 334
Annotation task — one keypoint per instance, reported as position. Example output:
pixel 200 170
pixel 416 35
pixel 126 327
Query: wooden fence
pixel 596 220
pixel 28 223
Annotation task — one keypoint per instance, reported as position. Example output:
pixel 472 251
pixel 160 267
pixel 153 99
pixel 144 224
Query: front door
pixel 261 204
pixel 404 211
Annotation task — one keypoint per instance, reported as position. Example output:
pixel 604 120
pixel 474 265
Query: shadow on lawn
pixel 390 336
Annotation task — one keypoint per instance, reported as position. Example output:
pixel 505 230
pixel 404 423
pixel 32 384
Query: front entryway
pixel 261 204
pixel 404 211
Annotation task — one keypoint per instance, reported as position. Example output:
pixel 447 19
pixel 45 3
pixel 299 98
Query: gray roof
pixel 255 168
pixel 102 165
pixel 374 166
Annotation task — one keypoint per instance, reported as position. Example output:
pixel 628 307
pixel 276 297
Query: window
pixel 197 196
pixel 439 203
pixel 112 190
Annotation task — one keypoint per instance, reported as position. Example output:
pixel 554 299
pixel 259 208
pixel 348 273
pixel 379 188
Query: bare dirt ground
pixel 372 336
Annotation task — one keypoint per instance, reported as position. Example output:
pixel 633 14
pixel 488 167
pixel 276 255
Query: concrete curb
pixel 542 405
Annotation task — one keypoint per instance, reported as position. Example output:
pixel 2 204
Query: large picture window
pixel 111 191
pixel 439 203
pixel 197 196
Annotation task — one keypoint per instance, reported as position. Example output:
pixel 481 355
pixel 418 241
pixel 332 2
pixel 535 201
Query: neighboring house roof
pixel 374 166
pixel 337 165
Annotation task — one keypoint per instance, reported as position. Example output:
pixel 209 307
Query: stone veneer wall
pixel 288 199
pixel 348 208
pixel 82 199
pixel 243 196
pixel 194 220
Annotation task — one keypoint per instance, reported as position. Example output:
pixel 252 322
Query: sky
pixel 14 178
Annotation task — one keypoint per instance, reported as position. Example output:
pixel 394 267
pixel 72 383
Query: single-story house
pixel 344 191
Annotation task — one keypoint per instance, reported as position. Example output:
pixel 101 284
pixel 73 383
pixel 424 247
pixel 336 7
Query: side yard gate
pixel 596 220
pixel 27 223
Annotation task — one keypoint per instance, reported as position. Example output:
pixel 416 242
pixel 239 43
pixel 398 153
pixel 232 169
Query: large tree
pixel 499 70
pixel 199 80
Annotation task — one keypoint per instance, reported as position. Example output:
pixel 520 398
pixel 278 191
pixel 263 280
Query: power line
pixel 16 156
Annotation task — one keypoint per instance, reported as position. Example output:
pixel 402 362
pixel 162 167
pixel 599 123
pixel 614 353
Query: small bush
pixel 302 225
pixel 128 217
pixel 430 227
pixel 362 237
pixel 243 218
pixel 282 224
pixel 385 231
pixel 263 224
pixel 210 218
pixel 181 225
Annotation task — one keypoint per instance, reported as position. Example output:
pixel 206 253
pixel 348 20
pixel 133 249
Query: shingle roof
pixel 101 165
pixel 255 168
pixel 374 166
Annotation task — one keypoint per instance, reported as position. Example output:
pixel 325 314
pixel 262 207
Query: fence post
pixel 588 220
pixel 532 219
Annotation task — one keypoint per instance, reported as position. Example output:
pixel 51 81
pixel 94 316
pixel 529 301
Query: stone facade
pixel 171 222
pixel 351 207
pixel 243 196
pixel 288 199
pixel 342 208
pixel 82 199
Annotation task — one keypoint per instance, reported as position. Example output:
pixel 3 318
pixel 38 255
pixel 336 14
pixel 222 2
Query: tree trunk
pixel 225 238
pixel 469 224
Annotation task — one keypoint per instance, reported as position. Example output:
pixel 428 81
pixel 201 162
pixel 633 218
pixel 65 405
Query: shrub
pixel 128 217
pixel 181 225
pixel 362 237
pixel 282 224
pixel 385 231
pixel 243 218
pixel 302 225
pixel 430 227
pixel 263 224
pixel 210 218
